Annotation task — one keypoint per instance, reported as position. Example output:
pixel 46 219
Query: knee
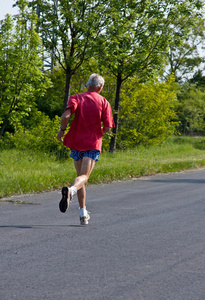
pixel 85 178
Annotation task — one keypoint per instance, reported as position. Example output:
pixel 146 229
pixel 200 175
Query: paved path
pixel 145 240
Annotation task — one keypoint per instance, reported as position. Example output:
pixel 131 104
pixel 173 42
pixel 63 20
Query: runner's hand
pixel 60 135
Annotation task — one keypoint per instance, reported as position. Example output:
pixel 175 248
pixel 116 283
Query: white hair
pixel 95 80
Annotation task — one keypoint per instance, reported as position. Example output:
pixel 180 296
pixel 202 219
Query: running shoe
pixel 84 220
pixel 66 198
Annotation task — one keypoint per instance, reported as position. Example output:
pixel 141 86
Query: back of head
pixel 95 82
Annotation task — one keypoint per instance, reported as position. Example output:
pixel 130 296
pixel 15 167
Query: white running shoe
pixel 84 220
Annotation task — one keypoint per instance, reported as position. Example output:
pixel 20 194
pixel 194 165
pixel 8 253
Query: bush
pixel 147 113
pixel 39 136
pixel 191 109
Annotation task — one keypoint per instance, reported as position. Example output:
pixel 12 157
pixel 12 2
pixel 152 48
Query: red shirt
pixel 91 110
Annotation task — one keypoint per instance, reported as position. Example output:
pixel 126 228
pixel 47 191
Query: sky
pixel 6 8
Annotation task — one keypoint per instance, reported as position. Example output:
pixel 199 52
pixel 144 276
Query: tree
pixel 198 79
pixel 50 102
pixel 20 76
pixel 136 40
pixel 69 30
pixel 187 36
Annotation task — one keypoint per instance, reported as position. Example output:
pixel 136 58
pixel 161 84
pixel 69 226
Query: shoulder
pixel 79 96
pixel 76 97
pixel 105 102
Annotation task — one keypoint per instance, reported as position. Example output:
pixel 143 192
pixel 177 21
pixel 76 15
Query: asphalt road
pixel 145 240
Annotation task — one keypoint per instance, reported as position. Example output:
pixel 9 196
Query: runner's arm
pixel 64 122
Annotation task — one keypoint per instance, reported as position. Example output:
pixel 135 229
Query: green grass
pixel 26 172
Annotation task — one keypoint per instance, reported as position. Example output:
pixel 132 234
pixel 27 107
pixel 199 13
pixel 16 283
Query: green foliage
pixel 51 102
pixel 135 39
pixel 21 78
pixel 147 114
pixel 191 109
pixel 69 32
pixel 106 141
pixel 187 32
pixel 38 133
pixel 198 79
pixel 127 38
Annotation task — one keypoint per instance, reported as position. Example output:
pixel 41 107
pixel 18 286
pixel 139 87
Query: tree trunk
pixel 67 88
pixel 116 113
pixel 5 122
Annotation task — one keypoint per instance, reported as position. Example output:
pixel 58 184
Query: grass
pixel 26 172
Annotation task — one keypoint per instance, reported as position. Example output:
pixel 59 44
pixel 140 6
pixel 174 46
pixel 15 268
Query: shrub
pixel 39 136
pixel 147 113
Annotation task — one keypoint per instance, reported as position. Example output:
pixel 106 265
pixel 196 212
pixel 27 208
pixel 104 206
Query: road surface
pixel 145 241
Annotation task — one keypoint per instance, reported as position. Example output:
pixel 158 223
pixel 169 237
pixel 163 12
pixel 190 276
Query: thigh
pixel 78 164
pixel 84 166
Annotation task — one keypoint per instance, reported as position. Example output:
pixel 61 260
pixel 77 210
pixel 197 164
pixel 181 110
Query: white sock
pixel 83 211
pixel 74 191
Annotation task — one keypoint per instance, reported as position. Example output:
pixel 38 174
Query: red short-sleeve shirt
pixel 91 110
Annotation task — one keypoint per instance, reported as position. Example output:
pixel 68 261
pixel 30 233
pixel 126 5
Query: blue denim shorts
pixel 76 155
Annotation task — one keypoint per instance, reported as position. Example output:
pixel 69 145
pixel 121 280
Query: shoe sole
pixel 84 220
pixel 64 203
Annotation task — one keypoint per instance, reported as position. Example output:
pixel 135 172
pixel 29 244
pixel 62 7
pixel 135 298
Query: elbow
pixel 66 115
pixel 106 129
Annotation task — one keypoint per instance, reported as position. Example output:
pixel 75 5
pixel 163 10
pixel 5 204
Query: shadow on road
pixel 180 180
pixel 36 226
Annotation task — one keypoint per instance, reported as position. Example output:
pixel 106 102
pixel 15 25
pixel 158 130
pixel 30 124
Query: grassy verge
pixel 27 172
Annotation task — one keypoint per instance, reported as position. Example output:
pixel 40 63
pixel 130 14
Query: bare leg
pixel 84 168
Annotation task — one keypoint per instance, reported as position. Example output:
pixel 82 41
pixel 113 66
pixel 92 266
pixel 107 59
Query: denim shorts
pixel 76 155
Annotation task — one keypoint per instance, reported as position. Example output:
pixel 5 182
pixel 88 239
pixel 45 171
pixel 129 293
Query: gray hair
pixel 95 80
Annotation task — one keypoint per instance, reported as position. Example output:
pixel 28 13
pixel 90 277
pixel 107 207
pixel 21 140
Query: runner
pixel 84 138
